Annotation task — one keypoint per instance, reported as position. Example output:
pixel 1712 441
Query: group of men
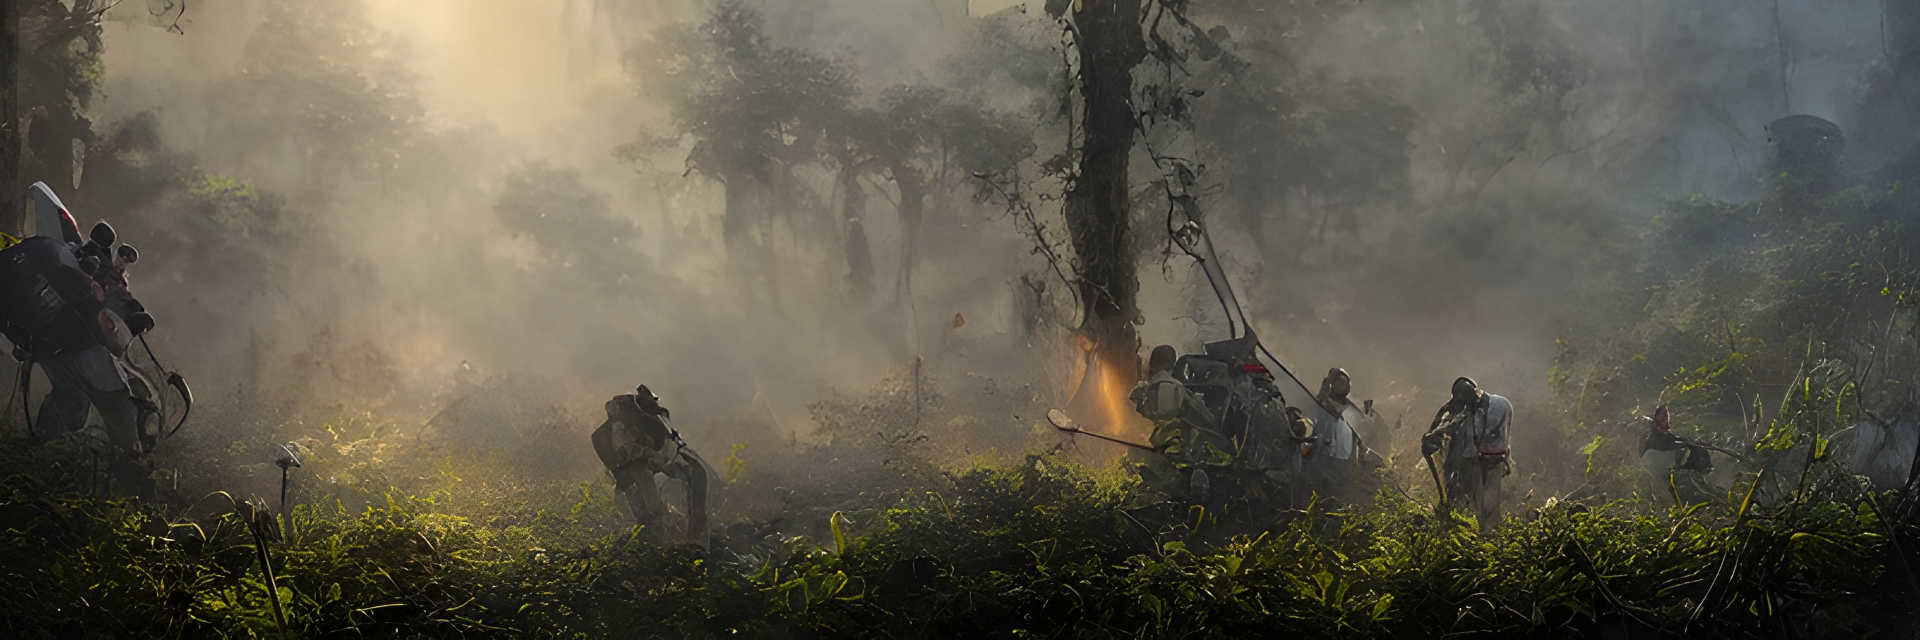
pixel 1220 423
pixel 1220 417
pixel 65 306
pixel 1222 430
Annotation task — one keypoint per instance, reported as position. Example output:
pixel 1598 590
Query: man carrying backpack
pixel 57 315
pixel 636 442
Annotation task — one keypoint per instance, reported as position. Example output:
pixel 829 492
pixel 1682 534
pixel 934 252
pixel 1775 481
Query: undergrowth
pixel 1042 548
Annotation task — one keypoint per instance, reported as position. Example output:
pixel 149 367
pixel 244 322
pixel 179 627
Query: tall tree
pixel 11 207
pixel 48 75
pixel 1108 38
pixel 850 143
pixel 927 143
pixel 753 109
pixel 59 58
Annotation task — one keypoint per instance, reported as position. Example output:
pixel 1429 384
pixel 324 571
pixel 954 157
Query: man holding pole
pixel 1472 427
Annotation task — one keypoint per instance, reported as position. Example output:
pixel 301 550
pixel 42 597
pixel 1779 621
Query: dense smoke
pixel 481 112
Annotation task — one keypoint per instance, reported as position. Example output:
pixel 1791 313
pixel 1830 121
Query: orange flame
pixel 1113 400
pixel 1102 403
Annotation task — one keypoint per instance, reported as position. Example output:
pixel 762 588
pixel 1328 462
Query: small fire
pixel 1101 402
pixel 1113 400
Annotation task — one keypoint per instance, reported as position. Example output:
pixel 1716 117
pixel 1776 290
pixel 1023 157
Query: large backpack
pixel 621 409
pixel 46 304
pixel 603 445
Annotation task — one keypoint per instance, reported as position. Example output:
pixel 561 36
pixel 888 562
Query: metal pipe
pixel 1060 421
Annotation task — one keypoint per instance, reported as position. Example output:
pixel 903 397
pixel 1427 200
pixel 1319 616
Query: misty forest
pixel 960 318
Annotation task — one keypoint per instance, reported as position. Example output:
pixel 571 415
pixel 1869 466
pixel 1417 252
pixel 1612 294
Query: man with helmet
pixel 636 442
pixel 1184 429
pixel 1360 425
pixel 1473 427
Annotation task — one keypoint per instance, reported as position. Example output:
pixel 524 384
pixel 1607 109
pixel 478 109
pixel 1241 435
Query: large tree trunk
pixel 750 261
pixel 859 253
pixel 50 146
pixel 50 98
pixel 913 196
pixel 1097 210
pixel 12 188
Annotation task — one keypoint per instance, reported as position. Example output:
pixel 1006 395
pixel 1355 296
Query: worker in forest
pixel 1677 467
pixel 1275 439
pixel 1184 429
pixel 636 442
pixel 1361 423
pixel 1343 472
pixel 55 312
pixel 1472 428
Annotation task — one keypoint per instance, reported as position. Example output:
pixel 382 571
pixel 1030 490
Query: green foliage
pixel 748 103
pixel 736 465
pixel 1733 300
pixel 1038 547
pixel 1590 449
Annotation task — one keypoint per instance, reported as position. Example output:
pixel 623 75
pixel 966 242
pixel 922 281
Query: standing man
pixel 1183 429
pixel 1676 466
pixel 1473 427
pixel 1362 426
pixel 1344 471
pixel 635 442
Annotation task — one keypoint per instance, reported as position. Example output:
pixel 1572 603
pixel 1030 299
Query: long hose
pixel 26 396
pixel 1439 488
pixel 1223 291
pixel 179 384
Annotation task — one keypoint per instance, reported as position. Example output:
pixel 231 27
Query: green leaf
pixel 1156 605
pixel 1321 581
pixel 1381 607
pixel 1751 489
pixel 839 532
pixel 1592 448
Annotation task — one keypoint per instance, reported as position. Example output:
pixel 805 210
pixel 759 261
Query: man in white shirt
pixel 1475 438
